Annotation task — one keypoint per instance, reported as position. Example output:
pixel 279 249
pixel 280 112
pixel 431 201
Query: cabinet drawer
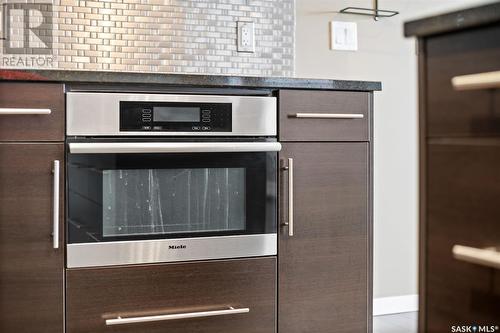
pixel 24 111
pixel 196 292
pixel 324 115
pixel 466 113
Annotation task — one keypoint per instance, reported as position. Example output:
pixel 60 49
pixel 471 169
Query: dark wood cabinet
pixel 324 268
pixel 325 249
pixel 31 269
pixel 19 104
pixel 97 295
pixel 459 179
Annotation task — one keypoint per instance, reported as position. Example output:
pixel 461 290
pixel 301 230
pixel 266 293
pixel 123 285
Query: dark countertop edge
pixel 454 21
pixel 205 81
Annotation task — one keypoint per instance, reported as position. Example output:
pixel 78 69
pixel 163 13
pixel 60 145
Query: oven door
pixel 145 202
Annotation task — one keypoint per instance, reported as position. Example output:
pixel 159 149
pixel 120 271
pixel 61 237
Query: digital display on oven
pixel 176 114
pixel 165 117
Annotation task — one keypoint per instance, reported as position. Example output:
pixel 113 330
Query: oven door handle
pixel 171 147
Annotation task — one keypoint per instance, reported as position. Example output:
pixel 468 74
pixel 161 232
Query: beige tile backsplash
pixel 173 36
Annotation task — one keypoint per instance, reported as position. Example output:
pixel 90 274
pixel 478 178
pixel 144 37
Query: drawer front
pixel 188 297
pixel 24 111
pixel 324 115
pixel 467 113
pixel 462 209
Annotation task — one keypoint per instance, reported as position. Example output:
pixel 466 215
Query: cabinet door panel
pixel 324 267
pixel 31 270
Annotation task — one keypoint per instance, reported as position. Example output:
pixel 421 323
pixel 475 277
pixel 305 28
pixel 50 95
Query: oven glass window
pixel 119 197
pixel 165 201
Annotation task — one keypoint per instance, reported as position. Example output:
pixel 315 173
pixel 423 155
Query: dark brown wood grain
pixel 94 295
pixel 370 241
pixel 302 101
pixel 459 133
pixel 31 271
pixel 32 127
pixel 452 113
pixel 462 208
pixel 422 250
pixel 324 280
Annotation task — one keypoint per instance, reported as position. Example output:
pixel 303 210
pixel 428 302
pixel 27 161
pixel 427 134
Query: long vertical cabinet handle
pixel 55 217
pixel 290 197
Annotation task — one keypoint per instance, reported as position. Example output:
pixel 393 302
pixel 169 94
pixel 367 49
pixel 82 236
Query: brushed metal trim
pixel 329 115
pixel 175 316
pixel 55 203
pixel 290 197
pixel 155 251
pixel 171 147
pixel 98 114
pixel 23 111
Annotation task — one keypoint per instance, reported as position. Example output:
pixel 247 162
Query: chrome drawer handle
pixel 487 80
pixel 20 111
pixel 329 115
pixel 175 316
pixel 55 202
pixel 488 257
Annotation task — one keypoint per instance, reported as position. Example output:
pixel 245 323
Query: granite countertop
pixel 462 19
pixel 202 81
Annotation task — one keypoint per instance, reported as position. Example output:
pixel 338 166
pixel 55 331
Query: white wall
pixel 383 55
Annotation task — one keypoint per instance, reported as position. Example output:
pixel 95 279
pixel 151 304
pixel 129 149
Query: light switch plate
pixel 344 36
pixel 246 36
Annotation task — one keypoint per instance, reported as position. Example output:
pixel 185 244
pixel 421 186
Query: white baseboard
pixel 396 304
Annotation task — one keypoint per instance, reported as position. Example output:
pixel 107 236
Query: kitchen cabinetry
pixel 459 178
pixel 224 296
pixel 31 268
pixel 324 278
pixel 325 242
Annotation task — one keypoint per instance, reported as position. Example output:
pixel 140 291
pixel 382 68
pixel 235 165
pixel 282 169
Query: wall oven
pixel 163 178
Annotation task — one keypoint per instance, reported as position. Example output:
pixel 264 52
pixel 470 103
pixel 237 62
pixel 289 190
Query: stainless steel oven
pixel 161 178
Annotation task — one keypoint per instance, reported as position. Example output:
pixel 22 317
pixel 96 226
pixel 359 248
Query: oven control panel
pixel 175 117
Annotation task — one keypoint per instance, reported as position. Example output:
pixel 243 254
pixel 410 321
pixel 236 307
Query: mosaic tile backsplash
pixel 168 36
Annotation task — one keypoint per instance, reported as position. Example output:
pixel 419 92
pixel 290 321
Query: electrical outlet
pixel 246 36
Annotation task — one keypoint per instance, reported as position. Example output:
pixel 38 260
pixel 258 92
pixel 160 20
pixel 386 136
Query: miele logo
pixel 176 247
